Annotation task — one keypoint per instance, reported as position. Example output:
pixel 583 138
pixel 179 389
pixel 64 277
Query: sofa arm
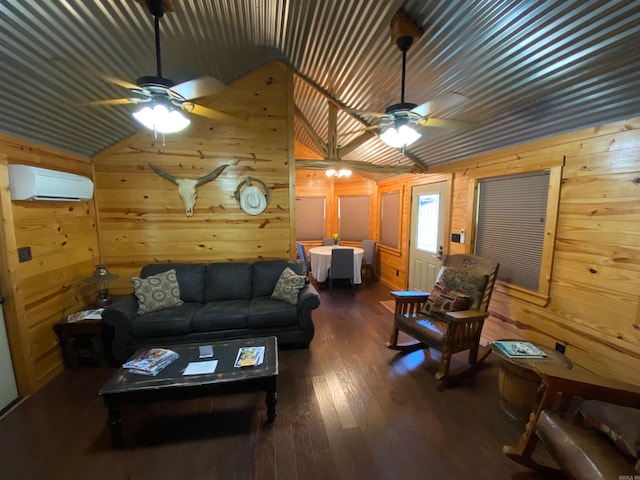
pixel 120 316
pixel 308 299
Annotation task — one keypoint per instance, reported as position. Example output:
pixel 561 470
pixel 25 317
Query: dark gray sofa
pixel 221 300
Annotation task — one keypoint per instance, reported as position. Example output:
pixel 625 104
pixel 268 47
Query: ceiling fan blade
pixel 446 123
pixel 198 87
pixel 117 101
pixel 440 103
pixel 205 111
pixel 121 83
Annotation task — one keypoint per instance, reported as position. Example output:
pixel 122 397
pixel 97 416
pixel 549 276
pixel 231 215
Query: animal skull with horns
pixel 187 186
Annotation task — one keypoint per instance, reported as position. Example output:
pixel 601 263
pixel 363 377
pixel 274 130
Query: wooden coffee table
pixel 127 388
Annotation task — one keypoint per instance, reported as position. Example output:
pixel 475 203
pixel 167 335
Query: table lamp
pixel 101 277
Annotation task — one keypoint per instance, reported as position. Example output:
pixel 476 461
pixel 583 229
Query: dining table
pixel 320 258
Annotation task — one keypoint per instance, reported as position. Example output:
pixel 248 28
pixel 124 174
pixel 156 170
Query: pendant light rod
pixel 158 56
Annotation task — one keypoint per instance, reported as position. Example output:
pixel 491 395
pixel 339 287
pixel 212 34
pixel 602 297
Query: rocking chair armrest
pixel 407 296
pixel 465 315
pixel 409 303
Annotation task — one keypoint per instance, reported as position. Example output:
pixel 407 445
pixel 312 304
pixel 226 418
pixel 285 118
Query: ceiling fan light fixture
pixel 161 119
pixel 399 136
pixel 343 172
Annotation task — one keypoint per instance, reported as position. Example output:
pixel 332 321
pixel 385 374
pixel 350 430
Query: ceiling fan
pixel 163 100
pixel 398 120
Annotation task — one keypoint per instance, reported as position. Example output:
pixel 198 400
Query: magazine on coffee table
pixel 249 357
pixel 519 349
pixel 151 361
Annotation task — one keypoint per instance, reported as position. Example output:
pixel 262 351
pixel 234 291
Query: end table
pixel 81 341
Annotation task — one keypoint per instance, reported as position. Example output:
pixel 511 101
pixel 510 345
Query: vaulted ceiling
pixel 524 69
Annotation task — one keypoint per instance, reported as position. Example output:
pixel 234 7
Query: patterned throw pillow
pixel 157 291
pixel 288 286
pixel 443 299
pixel 620 424
pixel 465 282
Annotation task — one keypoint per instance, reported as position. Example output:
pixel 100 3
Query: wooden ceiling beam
pixel 312 133
pixel 305 164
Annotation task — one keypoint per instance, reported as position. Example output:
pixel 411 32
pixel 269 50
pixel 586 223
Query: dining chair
pixel 341 266
pixel 327 241
pixel 369 256
pixel 302 255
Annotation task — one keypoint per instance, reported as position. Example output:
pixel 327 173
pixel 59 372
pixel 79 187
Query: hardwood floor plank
pixel 348 408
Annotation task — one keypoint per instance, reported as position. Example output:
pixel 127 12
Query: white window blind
pixel 510 225
pixel 310 218
pixel 353 213
pixel 390 219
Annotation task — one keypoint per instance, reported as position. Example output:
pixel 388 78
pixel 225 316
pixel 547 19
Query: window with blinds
pixel 310 218
pixel 390 219
pixel 510 225
pixel 353 215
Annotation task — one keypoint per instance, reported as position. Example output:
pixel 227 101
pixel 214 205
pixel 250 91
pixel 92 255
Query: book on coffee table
pixel 519 349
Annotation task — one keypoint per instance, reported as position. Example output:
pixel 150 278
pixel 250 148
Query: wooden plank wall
pixel 595 286
pixel 64 248
pixel 141 218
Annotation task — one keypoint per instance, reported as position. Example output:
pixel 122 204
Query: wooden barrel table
pixel 518 381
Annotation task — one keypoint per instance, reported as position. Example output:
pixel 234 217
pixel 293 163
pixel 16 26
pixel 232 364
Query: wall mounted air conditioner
pixel 35 183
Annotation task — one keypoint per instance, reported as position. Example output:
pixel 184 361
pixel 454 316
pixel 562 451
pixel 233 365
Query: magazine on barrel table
pixel 519 349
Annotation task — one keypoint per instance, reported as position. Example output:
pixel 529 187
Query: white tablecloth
pixel 321 262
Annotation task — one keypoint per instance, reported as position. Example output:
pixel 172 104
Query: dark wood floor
pixel 348 408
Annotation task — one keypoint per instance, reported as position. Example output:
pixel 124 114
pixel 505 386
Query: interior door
pixel 8 389
pixel 428 211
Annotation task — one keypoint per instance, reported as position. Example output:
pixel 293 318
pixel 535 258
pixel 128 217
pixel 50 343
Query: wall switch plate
pixel 24 254
pixel 462 235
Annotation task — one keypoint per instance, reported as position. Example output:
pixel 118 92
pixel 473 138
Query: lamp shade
pixel 161 118
pixel 101 275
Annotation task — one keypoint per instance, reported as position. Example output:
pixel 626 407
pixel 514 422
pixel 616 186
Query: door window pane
pixel 427 222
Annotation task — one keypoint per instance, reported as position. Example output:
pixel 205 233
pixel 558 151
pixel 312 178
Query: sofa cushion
pixel 288 286
pixel 170 321
pixel 464 282
pixel 227 281
pixel 265 274
pixel 157 292
pixel 190 278
pixel 620 424
pixel 264 312
pixel 444 299
pixel 221 315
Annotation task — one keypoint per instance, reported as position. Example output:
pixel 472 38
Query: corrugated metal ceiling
pixel 528 69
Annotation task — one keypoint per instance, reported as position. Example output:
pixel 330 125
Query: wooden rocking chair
pixel 448 331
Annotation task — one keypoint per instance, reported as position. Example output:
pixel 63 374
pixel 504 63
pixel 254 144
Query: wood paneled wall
pixel 594 306
pixel 64 248
pixel 141 218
